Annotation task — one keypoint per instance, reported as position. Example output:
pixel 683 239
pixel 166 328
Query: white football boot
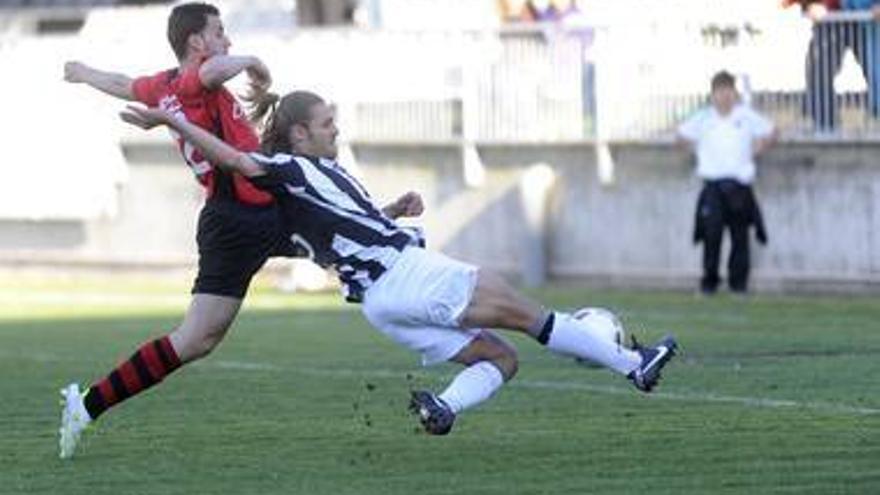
pixel 74 419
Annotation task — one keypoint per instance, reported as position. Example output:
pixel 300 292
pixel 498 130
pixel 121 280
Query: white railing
pixel 630 78
pixel 437 86
pixel 626 81
pixel 633 78
pixel 787 68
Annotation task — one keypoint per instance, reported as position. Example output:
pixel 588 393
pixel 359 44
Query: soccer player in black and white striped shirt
pixel 423 300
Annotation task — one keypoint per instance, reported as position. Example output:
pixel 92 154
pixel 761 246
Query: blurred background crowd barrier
pixel 456 98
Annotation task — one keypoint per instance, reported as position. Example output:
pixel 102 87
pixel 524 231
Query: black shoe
pixel 434 414
pixel 646 376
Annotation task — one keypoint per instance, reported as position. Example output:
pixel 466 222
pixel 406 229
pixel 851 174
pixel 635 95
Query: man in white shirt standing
pixel 726 137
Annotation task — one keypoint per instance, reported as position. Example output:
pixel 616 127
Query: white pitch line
pixel 241 365
pixel 757 402
pixel 754 402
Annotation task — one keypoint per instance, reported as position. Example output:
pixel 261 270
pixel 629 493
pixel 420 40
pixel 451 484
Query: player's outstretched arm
pixel 221 68
pixel 215 150
pixel 114 84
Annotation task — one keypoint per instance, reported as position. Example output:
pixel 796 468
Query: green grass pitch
pixel 769 395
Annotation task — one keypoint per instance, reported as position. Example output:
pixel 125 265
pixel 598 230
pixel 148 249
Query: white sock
pixel 571 336
pixel 472 386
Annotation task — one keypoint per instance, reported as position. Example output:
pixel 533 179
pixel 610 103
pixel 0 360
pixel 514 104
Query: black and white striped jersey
pixel 332 217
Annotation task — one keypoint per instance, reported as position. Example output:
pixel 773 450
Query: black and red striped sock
pixel 151 363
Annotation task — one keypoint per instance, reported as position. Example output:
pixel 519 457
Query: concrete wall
pixel 820 204
pixel 154 225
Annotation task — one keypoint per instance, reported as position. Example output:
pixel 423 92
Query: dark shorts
pixel 235 240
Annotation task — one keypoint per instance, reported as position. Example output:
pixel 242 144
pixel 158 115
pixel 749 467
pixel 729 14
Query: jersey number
pixel 193 157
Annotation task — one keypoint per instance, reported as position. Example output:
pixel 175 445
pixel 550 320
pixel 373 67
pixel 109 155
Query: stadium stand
pixel 67 4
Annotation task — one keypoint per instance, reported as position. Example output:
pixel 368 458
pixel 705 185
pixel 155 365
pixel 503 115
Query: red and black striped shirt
pixel 181 91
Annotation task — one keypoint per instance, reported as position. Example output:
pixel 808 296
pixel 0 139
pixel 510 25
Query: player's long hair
pixel 281 114
pixel 185 20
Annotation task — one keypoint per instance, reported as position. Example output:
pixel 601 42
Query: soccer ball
pixel 603 323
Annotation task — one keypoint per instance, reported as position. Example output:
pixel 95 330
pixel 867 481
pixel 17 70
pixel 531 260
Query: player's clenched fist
pixel 73 71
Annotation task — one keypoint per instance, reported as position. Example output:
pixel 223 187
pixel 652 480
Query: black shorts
pixel 235 240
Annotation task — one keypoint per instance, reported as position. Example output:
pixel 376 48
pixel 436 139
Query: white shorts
pixel 419 302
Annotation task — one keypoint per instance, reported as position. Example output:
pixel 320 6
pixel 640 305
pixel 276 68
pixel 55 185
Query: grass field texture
pixel 770 394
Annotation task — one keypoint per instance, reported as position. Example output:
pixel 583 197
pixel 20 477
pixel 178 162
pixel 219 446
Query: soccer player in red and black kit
pixel 239 226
